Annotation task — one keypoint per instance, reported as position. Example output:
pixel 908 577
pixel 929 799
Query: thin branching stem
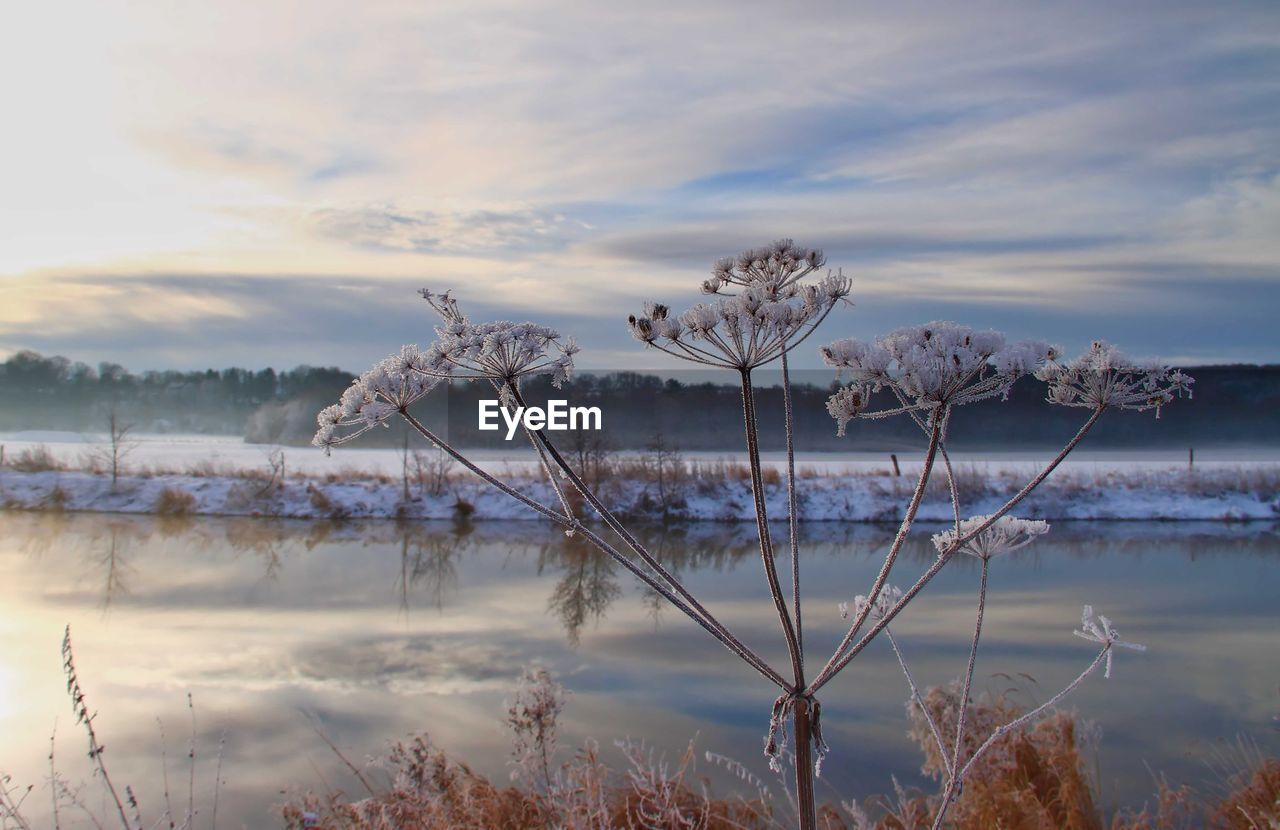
pixel 217 780
pixel 1017 723
pixel 952 785
pixel 919 700
pixel 81 708
pixel 834 664
pixel 462 459
pixel 690 604
pixel 164 775
pixel 762 526
pixel 793 523
pixel 191 765
pixel 333 747
pixel 956 545
pixel 53 777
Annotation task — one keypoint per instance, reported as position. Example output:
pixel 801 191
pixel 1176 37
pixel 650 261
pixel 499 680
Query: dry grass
pixel 56 499
pixel 324 505
pixel 1254 801
pixel 174 502
pixel 37 459
pixel 1032 778
pixel 430 790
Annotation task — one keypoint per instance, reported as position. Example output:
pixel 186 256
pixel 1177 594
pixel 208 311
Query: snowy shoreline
pixel 1226 494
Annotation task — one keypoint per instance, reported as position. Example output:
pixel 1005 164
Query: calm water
pixel 375 631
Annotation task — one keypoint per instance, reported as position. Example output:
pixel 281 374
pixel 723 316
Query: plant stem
pixel 794 520
pixel 805 798
pixel 946 555
pixel 915 695
pixel 689 606
pixel 950 792
pixel 1018 722
pixel 762 528
pixel 837 662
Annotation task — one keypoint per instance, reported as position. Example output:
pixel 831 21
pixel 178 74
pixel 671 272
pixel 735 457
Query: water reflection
pixel 380 629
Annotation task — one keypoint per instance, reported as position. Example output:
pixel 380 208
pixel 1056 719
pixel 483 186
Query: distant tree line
pixel 1234 405
pixel 54 393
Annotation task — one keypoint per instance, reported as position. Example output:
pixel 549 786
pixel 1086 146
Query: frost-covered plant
pixel 765 306
pixel 1104 377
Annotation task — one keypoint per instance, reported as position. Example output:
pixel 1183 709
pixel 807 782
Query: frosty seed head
pixel 1101 630
pixel 845 405
pixel 500 351
pixel 1004 535
pixel 1105 377
pixel 391 386
pixel 753 325
pixel 937 364
pixel 889 597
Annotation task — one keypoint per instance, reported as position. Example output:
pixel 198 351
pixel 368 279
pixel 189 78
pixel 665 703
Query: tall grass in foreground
pixel 763 310
pixel 1034 777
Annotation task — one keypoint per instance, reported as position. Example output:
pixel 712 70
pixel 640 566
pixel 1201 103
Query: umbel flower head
pixel 1104 377
pixel 391 386
pixel 888 597
pixel 1005 534
pixel 926 367
pixel 772 313
pixel 775 268
pixel 1102 631
pixel 501 351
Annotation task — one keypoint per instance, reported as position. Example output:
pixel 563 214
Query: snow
pixel 1121 492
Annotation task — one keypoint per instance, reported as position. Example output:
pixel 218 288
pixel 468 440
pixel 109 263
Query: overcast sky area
pixel 197 184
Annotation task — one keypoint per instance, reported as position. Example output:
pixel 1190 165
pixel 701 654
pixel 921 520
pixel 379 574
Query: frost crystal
pixel 1102 631
pixel 936 364
pixel 771 311
pixel 1104 377
pixel 1005 534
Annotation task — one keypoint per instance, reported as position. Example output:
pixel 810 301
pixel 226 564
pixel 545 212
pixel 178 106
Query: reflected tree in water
pixel 587 586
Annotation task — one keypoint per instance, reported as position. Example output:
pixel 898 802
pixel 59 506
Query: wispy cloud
pixel 1066 161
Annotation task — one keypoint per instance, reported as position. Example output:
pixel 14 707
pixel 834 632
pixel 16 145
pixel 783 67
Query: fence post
pixel 897 471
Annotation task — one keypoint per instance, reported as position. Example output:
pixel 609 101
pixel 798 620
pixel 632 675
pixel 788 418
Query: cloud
pixel 262 184
pixel 477 232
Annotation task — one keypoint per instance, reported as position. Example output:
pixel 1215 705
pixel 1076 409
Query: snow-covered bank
pixel 1240 493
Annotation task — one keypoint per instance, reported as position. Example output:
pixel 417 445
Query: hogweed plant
pixel 763 306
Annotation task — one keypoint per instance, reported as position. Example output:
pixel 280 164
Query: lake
pixel 374 631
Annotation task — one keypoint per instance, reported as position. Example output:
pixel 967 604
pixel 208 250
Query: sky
pixel 195 184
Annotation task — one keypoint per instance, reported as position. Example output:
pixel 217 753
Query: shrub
pixel 37 459
pixel 174 502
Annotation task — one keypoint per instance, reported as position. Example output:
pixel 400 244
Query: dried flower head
pixel 501 351
pixel 1102 631
pixel 1104 377
pixel 776 268
pixel 389 387
pixel 1004 535
pixel 888 597
pixel 937 364
pixel 771 313
pixel 846 404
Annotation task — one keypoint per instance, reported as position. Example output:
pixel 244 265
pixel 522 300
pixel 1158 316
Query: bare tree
pixel 118 445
